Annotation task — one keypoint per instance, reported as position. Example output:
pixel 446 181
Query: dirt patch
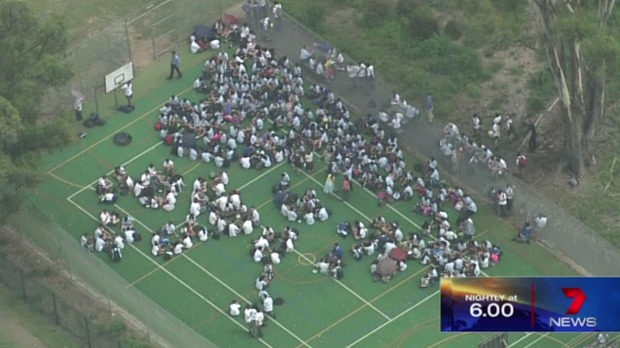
pixel 343 21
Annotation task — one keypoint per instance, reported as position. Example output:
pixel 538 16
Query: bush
pixel 423 26
pixel 407 8
pixel 376 12
pixel 453 29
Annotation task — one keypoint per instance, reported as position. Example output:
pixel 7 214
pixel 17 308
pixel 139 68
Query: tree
pixel 32 63
pixel 580 50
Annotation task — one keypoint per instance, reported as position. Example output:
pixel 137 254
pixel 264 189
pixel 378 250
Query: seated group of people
pixel 299 208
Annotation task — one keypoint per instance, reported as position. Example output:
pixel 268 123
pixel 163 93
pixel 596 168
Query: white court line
pixel 391 320
pixel 538 339
pixel 112 171
pixel 520 339
pixel 163 269
pixel 217 279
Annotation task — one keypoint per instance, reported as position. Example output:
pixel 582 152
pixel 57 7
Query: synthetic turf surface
pixel 198 285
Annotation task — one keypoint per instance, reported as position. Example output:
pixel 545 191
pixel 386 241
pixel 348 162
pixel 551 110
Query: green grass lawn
pixel 197 286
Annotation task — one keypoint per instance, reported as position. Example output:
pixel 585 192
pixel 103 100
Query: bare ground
pixel 17 333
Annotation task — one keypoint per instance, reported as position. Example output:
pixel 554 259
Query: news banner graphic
pixel 552 304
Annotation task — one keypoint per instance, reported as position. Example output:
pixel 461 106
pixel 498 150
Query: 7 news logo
pixel 572 321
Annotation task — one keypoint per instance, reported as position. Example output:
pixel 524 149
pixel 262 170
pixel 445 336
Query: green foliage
pixel 541 91
pixel 423 26
pixel 453 29
pixel 310 13
pixel 32 60
pixel 376 12
pixel 407 8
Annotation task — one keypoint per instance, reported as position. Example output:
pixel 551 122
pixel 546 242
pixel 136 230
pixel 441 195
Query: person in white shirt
pixel 268 305
pixel 178 248
pixel 203 234
pixel 258 255
pixel 275 258
pixel 292 216
pixel 128 87
pixel 260 319
pixel 245 162
pixel 219 189
pixel 99 244
pixel 118 242
pixel 261 283
pixel 221 225
pixel 234 309
pixel 233 230
pixel 195 208
pixel 105 217
pixel 194 47
pixel 290 246
pixel 155 250
pixel 262 243
pixel 322 267
pixel 247 227
pixel 129 236
pixel 323 215
pixel 309 217
pixel 187 242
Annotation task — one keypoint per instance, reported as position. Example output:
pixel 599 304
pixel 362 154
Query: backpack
pixel 169 139
pixel 158 126
pixel 137 237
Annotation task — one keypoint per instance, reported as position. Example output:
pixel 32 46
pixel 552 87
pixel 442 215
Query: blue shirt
pixel 337 251
pixel 175 60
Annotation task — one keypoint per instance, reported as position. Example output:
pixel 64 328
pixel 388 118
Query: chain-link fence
pixel 565 235
pixel 141 37
pixel 112 296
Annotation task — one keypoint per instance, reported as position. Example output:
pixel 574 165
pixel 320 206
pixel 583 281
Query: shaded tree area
pixel 31 57
pixel 582 55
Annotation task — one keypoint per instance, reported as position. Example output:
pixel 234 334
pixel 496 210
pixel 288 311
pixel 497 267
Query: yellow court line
pixel 90 147
pixel 153 271
pixel 64 180
pixel 387 291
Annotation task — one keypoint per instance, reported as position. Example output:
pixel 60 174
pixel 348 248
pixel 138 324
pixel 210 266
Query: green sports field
pixel 197 286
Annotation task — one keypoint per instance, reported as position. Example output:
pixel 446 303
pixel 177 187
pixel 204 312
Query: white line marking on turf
pixel 520 339
pixel 112 171
pixel 393 319
pixel 304 343
pixel 538 339
pixel 348 289
pixel 163 269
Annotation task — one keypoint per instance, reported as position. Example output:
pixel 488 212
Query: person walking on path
pixel 533 144
pixel 175 62
pixel 329 184
pixel 430 105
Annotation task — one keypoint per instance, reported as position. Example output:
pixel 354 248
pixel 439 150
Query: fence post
pixel 56 318
pixel 87 327
pixel 23 283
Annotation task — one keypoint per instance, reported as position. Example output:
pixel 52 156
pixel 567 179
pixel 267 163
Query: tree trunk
pixel 580 86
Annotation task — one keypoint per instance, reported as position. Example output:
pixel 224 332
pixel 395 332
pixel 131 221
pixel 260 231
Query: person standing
pixel 502 202
pixel 430 105
pixel 533 135
pixel 128 88
pixel 77 106
pixel 329 184
pixel 510 193
pixel 277 15
pixel 346 189
pixel 521 163
pixel 175 62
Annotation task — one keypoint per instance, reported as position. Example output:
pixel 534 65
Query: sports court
pixel 197 286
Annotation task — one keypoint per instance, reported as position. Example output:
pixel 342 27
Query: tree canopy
pixel 32 60
pixel 582 52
